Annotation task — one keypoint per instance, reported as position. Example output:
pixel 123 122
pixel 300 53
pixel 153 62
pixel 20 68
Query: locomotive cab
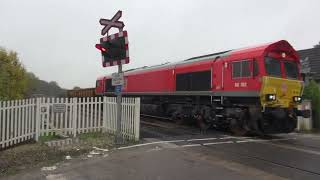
pixel 281 89
pixel 281 84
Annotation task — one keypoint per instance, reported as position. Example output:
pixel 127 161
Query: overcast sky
pixel 55 38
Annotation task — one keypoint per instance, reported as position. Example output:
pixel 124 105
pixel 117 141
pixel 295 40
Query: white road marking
pixel 173 141
pixel 100 149
pixel 234 137
pixel 228 137
pixel 243 141
pixel 203 139
pixel 213 143
pixel 282 139
pixel 258 140
pixel 139 145
pixel 247 140
pixel 145 144
pixel 190 145
pixel 266 140
pixel 293 148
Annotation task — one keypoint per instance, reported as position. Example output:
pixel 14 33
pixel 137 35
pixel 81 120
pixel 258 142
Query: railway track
pixel 164 123
pixel 271 162
pixel 157 121
pixel 164 127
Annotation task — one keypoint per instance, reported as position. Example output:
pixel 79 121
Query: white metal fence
pixel 22 120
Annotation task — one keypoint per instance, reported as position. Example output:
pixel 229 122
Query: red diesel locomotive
pixel 255 89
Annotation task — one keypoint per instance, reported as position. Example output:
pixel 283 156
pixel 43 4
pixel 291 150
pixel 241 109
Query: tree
pixel 33 83
pixel 13 81
pixel 317 45
pixel 17 83
pixel 53 83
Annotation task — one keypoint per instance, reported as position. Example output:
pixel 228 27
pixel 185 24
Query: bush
pixel 312 92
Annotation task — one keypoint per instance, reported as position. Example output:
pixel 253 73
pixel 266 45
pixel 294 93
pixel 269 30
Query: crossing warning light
pixel 114 49
pixel 99 46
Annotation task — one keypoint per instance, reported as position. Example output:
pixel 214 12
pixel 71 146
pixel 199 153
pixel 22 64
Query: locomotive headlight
pixel 271 97
pixel 297 99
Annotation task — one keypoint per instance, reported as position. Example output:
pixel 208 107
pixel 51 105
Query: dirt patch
pixel 33 155
pixel 28 156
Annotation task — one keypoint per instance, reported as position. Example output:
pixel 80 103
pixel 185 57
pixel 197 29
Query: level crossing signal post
pixel 115 51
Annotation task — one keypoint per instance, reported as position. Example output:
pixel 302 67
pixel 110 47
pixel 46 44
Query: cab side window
pixel 245 69
pixel 241 69
pixel 236 69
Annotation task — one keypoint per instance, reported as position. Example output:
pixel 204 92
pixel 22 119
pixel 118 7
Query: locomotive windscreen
pixel 194 81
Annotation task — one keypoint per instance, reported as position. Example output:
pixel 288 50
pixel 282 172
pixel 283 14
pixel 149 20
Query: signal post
pixel 115 51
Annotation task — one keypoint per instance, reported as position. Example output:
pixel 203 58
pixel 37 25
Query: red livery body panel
pixel 162 78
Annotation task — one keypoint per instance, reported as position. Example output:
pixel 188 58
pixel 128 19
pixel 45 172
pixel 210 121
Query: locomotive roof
pixel 190 60
pixel 253 50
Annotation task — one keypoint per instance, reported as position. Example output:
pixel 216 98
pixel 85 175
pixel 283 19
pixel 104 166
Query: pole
pixel 119 139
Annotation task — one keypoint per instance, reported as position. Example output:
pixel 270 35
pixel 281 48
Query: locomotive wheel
pixel 237 126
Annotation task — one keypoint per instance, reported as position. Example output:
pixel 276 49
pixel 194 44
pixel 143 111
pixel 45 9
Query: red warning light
pixel 98 46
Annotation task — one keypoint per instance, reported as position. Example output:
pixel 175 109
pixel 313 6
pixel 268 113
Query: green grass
pixel 92 135
pixel 50 137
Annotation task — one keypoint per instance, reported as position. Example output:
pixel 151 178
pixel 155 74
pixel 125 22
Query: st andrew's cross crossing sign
pixel 113 22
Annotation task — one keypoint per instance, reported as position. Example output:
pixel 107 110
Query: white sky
pixel 55 38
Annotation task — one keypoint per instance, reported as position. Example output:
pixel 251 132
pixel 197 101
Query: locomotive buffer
pixel 114 51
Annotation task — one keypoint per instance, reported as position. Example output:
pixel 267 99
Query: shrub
pixel 312 92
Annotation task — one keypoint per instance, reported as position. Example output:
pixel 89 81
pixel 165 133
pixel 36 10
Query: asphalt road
pixel 182 153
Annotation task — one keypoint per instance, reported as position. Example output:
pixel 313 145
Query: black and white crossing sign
pixel 113 22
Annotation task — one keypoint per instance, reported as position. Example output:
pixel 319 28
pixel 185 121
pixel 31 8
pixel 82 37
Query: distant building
pixel 310 63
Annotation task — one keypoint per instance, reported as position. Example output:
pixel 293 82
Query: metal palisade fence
pixel 23 120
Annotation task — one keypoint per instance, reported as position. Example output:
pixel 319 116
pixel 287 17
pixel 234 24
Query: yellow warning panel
pixel 283 89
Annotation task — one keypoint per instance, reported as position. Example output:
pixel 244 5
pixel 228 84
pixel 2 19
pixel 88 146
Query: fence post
pixel 2 125
pixel 137 119
pixel 104 114
pixel 37 134
pixel 74 116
